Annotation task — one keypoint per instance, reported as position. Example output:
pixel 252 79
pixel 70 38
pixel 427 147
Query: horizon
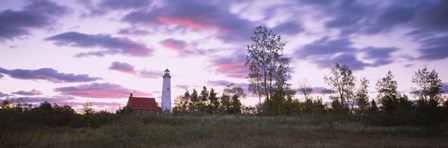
pixel 72 52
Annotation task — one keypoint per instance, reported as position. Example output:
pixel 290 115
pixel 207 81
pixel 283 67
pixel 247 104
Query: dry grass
pixel 230 131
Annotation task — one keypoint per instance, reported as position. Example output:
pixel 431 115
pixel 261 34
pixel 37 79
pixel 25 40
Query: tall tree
pixel 387 86
pixel 343 81
pixel 214 102
pixel 268 68
pixel 194 101
pixel 362 95
pixel 429 84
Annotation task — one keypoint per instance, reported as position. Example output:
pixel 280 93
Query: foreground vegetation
pixel 229 131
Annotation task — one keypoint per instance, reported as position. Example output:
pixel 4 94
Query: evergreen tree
pixel 362 95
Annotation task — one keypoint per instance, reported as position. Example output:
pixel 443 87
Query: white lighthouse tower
pixel 166 91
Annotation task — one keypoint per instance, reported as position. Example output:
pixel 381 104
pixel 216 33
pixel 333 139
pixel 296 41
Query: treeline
pixel 269 72
pixel 15 116
pixel 208 102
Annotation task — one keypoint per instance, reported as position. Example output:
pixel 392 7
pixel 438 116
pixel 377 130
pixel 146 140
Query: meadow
pixel 229 131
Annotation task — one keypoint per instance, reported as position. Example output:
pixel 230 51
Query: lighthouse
pixel 166 91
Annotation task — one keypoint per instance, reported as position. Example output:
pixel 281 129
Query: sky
pixel 100 51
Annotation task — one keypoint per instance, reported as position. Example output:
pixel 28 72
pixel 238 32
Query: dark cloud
pixel 325 52
pixel 434 48
pixel 381 56
pixel 3 95
pixel 196 15
pixel 120 4
pixel 347 58
pixel 38 14
pixel 289 28
pixel 231 66
pixel 99 90
pixel 112 45
pixel 372 17
pixel 133 31
pixel 47 74
pixel 122 67
pixel 28 93
pixel 325 47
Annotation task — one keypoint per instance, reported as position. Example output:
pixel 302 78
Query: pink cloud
pixel 177 45
pixel 188 22
pixel 182 86
pixel 99 90
pixel 235 69
pixel 122 67
pixel 150 74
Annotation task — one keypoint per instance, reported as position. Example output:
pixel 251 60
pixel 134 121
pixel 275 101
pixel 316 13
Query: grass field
pixel 229 131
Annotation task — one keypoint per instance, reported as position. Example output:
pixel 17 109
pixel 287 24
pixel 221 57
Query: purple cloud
pixel 3 94
pixel 325 52
pixel 196 15
pixel 174 44
pixel 232 66
pixel 289 28
pixel 28 93
pixel 122 67
pixel 38 14
pixel 123 5
pixel 47 74
pixel 325 47
pixel 112 45
pixel 347 58
pixel 381 56
pixel 434 48
pixel 99 90
pixel 133 31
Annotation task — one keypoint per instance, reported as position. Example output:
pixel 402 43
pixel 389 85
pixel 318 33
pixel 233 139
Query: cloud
pixel 38 14
pixel 3 94
pixel 47 74
pixel 325 52
pixel 133 31
pixel 28 93
pixel 196 15
pixel 231 66
pixel 289 28
pixel 434 48
pixel 123 5
pixel 150 74
pixel 99 90
pixel 347 58
pixel 217 82
pixel 112 45
pixel 372 17
pixel 325 47
pixel 381 56
pixel 129 69
pixel 122 67
pixel 183 86
pixel 37 100
pixel 174 44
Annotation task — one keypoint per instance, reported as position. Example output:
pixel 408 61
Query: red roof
pixel 143 103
